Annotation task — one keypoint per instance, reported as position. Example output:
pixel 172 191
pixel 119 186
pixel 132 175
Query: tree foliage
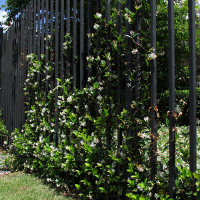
pixel 13 7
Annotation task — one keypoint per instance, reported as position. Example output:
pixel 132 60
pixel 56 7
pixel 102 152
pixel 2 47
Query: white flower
pixel 52 130
pixel 48 180
pixel 127 17
pixel 140 168
pixel 59 103
pixel 68 80
pixel 100 88
pixel 129 85
pixel 132 32
pixel 99 15
pixel 98 58
pixel 134 51
pixel 48 77
pixel 100 111
pixel 108 56
pixel 43 110
pixel 48 37
pixel 69 99
pixel 96 26
pixel 99 97
pixel 40 139
pixel 90 58
pixel 152 56
pixel 30 56
pixel 42 56
pixel 86 107
pixel 92 144
pixel 146 119
pixel 67 148
pixel 83 124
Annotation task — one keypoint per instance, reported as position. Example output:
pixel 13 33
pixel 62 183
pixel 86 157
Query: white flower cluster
pixel 90 58
pixel 152 56
pixel 30 56
pixel 48 37
pixel 98 15
pixel 134 51
pixel 70 99
pixel 96 26
pixel 128 18
pixel 99 97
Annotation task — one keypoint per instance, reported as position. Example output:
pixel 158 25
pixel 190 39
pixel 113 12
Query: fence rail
pixel 43 18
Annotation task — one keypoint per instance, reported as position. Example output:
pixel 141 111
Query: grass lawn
pixel 20 186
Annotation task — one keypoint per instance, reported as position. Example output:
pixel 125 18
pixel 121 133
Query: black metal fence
pixel 41 18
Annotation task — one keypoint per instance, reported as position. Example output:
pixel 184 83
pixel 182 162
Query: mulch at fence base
pixel 3 171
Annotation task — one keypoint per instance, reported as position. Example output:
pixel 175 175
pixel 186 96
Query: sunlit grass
pixel 20 186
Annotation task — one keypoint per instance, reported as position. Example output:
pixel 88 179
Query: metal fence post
pixel 1 46
pixel 192 101
pixel 153 92
pixel 171 98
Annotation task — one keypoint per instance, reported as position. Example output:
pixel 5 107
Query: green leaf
pixel 197 176
pixel 102 189
pixel 78 187
pixel 87 164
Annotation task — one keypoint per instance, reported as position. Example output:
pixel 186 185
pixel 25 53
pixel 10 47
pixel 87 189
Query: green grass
pixel 20 186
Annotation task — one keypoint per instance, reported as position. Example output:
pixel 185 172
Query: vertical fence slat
pixel 51 28
pixel 108 36
pixel 62 39
pixel 89 31
pixel 12 68
pixel 108 29
pixel 1 60
pixel 129 65
pixel 153 91
pixel 46 43
pixel 107 10
pixel 47 30
pixel 75 44
pixel 27 29
pixel 38 28
pixel 30 27
pixel 1 74
pixel 56 41
pixel 56 70
pixel 7 84
pixel 192 112
pixel 68 31
pixel 17 79
pixel 34 25
pixel 51 4
pixel 42 29
pixel 19 68
pixel 171 97
pixel 98 41
pixel 22 68
pixel 137 66
pixel 119 74
pixel 82 80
